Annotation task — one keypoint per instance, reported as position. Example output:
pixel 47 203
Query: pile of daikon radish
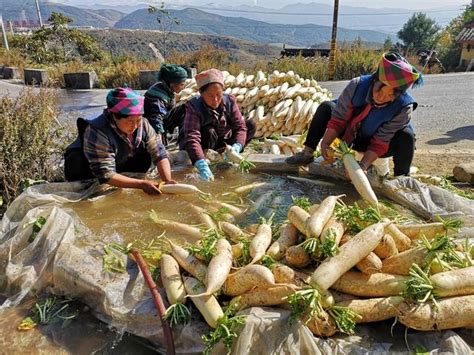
pixel 279 145
pixel 334 265
pixel 279 103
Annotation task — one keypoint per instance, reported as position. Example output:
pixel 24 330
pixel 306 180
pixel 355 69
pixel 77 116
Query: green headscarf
pixel 172 74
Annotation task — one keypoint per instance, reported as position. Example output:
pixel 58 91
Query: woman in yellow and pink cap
pixel 373 114
pixel 116 142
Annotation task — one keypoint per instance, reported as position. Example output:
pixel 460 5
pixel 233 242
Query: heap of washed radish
pixel 279 103
pixel 334 265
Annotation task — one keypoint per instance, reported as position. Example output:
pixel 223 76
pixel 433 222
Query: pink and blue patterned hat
pixel 396 72
pixel 125 101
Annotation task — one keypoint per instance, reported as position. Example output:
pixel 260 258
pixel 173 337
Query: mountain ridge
pixel 197 21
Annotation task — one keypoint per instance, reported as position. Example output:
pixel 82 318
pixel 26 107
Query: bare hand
pixel 364 169
pixel 170 182
pixel 150 187
pixel 324 151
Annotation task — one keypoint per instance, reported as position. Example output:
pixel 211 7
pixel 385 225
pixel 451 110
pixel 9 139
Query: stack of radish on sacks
pixel 279 103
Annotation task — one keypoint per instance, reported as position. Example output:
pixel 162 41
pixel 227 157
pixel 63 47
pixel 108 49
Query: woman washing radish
pixel 160 102
pixel 213 121
pixel 372 114
pixel 118 141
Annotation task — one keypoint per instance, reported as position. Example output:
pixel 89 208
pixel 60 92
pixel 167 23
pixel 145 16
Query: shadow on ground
pixel 455 135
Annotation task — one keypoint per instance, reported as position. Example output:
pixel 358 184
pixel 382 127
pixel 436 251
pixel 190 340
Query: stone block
pixel 36 76
pixel 81 80
pixel 464 172
pixel 317 168
pixel 11 73
pixel 147 78
pixel 271 163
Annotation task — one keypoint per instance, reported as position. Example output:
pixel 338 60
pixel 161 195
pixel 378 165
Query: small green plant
pixel 226 330
pixel 37 224
pixel 49 311
pixel 177 314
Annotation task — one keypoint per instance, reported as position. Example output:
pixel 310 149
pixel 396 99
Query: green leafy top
pixel 302 202
pixel 356 218
pixel 50 310
pixel 226 330
pixel 207 245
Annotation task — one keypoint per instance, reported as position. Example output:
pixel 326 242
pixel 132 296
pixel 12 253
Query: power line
pixel 387 25
pixel 309 13
pixel 291 26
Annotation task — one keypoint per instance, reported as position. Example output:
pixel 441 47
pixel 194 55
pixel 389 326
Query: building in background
pixel 466 40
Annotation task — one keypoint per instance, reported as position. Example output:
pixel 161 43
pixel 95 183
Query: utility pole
pixel 332 53
pixel 39 13
pixel 5 39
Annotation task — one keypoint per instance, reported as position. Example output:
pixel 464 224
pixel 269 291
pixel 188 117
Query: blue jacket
pixel 377 116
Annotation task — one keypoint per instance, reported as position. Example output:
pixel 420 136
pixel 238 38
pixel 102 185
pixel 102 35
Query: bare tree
pixel 166 22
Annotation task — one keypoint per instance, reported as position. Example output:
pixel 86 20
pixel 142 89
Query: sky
pixel 407 4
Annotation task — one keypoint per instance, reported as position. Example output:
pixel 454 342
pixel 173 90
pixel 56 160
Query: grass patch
pixel 31 141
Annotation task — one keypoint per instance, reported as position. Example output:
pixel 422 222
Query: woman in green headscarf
pixel 160 106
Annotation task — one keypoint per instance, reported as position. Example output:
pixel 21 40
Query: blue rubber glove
pixel 237 147
pixel 203 169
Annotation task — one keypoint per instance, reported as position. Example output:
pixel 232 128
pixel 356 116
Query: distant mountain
pixel 26 10
pixel 388 20
pixel 137 43
pixel 126 9
pixel 110 14
pixel 274 4
pixel 192 20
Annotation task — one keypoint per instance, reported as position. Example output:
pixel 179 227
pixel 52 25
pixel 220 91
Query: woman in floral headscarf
pixel 372 114
pixel 117 141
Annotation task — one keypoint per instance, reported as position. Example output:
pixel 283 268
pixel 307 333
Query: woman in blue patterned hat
pixel 373 114
pixel 118 141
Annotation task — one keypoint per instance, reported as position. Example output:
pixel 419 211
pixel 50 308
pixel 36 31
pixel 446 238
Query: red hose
pixel 155 295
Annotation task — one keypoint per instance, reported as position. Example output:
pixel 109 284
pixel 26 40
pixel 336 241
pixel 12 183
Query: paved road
pixel 443 121
pixel 445 115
